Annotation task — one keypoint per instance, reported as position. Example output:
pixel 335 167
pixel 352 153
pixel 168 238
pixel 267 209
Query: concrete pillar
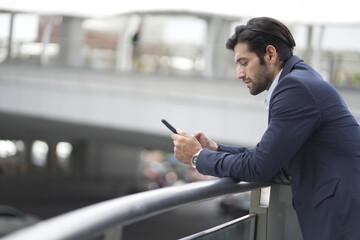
pixel 45 39
pixel 26 157
pixel 124 49
pixel 308 51
pixel 52 163
pixel 317 64
pixel 78 157
pixel 217 58
pixel 71 39
pixel 10 38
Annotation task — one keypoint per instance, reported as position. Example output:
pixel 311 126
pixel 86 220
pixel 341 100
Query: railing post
pixel 114 233
pixel 282 221
pixel 261 214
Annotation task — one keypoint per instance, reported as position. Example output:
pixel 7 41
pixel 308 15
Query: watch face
pixel 193 160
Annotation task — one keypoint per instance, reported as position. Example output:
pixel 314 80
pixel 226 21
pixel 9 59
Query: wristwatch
pixel 195 158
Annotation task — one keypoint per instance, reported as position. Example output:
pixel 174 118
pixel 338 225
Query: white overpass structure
pixel 127 103
pixel 104 108
pixel 131 102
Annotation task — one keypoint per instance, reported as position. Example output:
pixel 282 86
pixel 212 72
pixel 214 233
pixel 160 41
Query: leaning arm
pixel 294 117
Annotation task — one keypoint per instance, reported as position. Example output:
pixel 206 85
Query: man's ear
pixel 271 53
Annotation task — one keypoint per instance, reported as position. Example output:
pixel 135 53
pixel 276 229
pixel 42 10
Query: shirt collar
pixel 271 90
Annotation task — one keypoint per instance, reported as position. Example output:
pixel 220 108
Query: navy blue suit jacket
pixel 313 137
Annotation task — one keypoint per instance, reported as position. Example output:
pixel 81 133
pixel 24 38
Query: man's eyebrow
pixel 240 59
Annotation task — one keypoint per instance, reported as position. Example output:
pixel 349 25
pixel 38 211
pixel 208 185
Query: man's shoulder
pixel 302 74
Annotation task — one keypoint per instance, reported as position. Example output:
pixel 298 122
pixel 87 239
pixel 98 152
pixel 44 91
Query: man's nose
pixel 240 74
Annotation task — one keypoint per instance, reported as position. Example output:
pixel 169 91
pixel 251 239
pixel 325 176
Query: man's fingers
pixel 182 133
pixel 198 134
pixel 174 136
pixel 178 136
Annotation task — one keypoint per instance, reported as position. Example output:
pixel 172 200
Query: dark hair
pixel 261 32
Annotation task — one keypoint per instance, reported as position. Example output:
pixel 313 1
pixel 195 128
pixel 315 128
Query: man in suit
pixel 312 139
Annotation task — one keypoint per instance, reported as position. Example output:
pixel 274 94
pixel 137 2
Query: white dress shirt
pixel 271 90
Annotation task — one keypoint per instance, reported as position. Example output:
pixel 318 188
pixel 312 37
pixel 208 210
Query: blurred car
pixel 239 203
pixel 236 204
pixel 11 219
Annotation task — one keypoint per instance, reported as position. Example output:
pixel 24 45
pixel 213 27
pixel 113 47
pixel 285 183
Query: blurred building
pixel 182 43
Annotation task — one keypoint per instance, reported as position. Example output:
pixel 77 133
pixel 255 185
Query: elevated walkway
pixel 75 103
pixel 62 101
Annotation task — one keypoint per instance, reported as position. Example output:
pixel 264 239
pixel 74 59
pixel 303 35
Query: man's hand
pixel 205 141
pixel 185 146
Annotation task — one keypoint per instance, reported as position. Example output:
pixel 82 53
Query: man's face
pixel 257 77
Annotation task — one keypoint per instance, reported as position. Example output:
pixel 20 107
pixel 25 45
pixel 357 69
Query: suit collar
pixel 289 65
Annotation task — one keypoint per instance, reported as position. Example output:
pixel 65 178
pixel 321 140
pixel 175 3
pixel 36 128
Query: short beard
pixel 263 80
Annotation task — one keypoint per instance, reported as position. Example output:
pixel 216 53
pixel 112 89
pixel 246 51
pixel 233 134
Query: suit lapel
pixel 289 65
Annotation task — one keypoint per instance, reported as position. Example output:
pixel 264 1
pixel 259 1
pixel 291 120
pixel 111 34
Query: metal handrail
pixel 99 217
pixel 220 227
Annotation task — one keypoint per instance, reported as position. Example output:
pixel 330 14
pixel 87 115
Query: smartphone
pixel 169 126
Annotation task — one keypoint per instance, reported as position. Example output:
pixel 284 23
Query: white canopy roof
pixel 303 11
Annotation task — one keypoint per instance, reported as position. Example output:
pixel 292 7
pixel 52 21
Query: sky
pixel 285 10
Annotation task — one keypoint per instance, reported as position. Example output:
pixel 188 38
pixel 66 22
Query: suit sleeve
pixel 231 149
pixel 294 116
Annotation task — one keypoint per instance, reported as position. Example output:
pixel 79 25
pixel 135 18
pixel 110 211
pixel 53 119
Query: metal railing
pixel 107 216
pixel 242 228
